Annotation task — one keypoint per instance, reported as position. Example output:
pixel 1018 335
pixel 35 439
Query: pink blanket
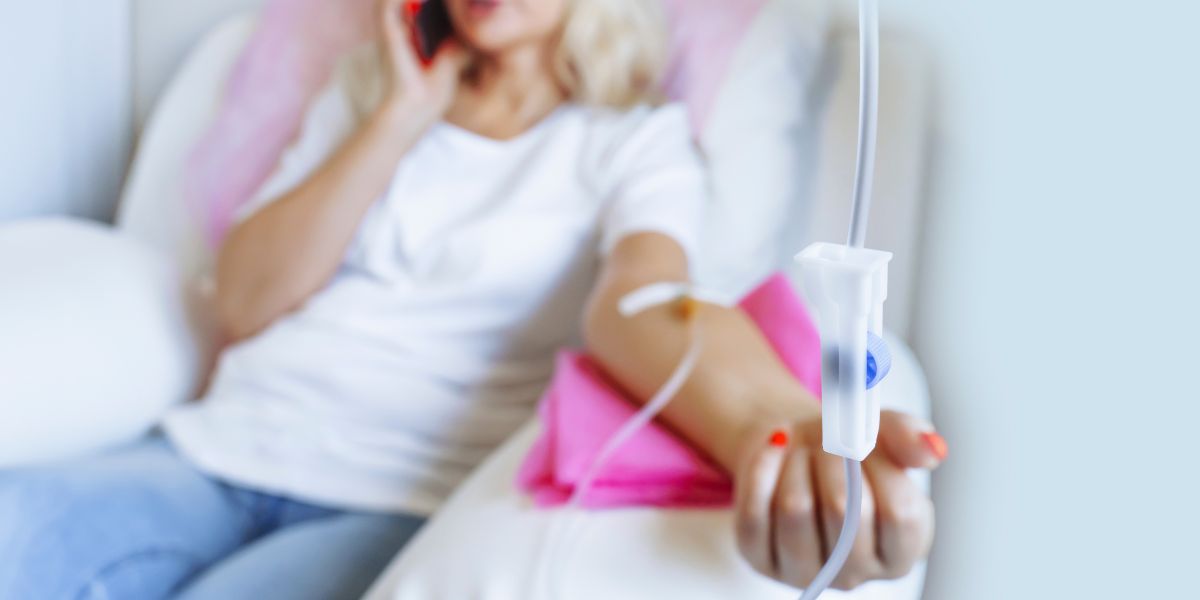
pixel 582 409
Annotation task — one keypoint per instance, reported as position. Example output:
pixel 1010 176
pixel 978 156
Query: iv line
pixel 868 122
pixel 864 177
pixel 868 119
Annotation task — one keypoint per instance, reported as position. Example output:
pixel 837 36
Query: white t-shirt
pixel 436 337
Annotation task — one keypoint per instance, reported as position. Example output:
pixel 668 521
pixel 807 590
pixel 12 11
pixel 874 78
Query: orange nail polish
pixel 779 438
pixel 936 444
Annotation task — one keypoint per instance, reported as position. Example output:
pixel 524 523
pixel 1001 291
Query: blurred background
pixel 1054 309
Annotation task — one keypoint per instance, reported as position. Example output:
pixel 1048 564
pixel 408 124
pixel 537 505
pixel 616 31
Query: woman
pixel 395 298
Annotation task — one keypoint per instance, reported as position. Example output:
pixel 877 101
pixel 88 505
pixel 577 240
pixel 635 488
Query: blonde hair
pixel 610 53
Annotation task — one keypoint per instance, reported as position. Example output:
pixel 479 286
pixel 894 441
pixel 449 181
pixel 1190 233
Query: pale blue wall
pixel 65 110
pixel 1057 317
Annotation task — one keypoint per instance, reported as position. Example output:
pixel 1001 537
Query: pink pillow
pixel 582 409
pixel 292 54
pixel 705 34
pixel 285 64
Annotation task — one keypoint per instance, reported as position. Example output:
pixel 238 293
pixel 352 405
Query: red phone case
pixel 431 26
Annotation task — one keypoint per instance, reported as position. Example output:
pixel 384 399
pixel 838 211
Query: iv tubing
pixel 868 130
pixel 651 410
pixel 841 551
pixel 868 115
pixel 563 526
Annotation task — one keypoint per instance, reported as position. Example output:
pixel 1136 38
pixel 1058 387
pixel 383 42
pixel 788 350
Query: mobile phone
pixel 433 26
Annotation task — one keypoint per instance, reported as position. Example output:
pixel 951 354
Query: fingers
pixel 863 564
pixel 904 517
pixel 393 16
pixel 798 545
pixel 755 487
pixel 396 19
pixel 791 504
pixel 910 442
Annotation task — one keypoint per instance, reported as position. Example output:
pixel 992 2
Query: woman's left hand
pixel 791 499
pixel 423 90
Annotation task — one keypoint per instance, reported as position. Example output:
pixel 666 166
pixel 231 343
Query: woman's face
pixel 492 26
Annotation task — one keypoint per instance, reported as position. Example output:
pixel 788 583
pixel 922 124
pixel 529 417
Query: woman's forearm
pixel 275 260
pixel 738 382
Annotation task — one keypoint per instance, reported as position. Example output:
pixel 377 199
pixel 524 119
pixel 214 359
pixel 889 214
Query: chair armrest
pixel 95 339
pixel 485 542
pixel 905 389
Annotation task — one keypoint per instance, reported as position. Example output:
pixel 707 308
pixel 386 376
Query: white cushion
pixel 761 140
pixel 154 208
pixel 485 543
pixel 165 33
pixel 96 342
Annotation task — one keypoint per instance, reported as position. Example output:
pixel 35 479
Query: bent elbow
pixel 604 329
pixel 235 317
pixel 593 325
pixel 233 326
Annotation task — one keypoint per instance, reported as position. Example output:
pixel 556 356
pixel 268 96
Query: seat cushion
pixel 487 541
pixel 96 341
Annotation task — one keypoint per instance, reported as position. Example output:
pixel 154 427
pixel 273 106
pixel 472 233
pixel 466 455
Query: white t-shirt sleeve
pixel 329 122
pixel 656 181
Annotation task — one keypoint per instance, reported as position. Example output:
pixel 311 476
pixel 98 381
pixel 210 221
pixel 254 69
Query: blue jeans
pixel 142 523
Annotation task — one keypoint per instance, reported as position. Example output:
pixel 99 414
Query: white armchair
pixel 102 329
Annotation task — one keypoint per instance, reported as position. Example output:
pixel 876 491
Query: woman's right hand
pixel 274 261
pixel 791 501
pixel 422 90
